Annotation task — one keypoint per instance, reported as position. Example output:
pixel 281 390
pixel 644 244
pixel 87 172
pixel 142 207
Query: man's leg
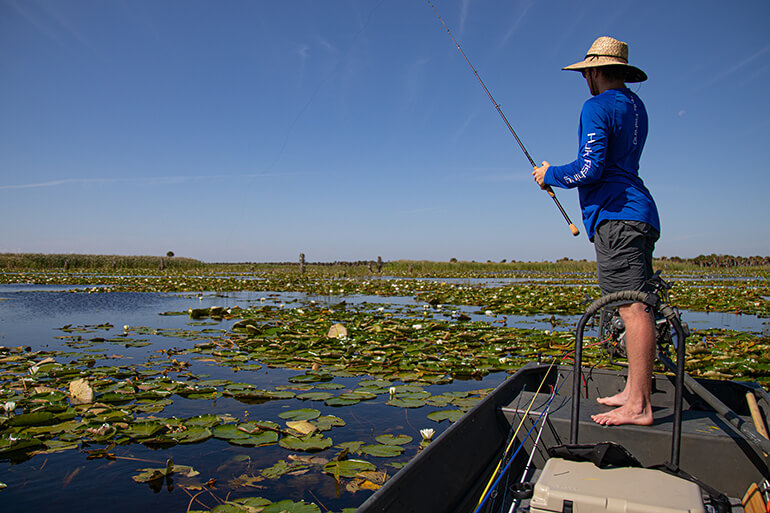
pixel 633 403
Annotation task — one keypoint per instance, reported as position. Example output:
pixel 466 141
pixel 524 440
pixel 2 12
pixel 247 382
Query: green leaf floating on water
pixel 14 443
pixel 151 474
pixel 142 430
pixel 354 447
pixel 311 443
pixel 228 432
pixel 256 440
pixel 288 506
pixel 191 435
pixel 407 403
pixel 40 418
pixel 301 414
pixel 382 450
pixel 315 396
pixel 252 502
pixel 208 420
pixel 283 467
pixel 326 422
pixel 394 440
pixel 450 415
pixel 342 401
pixel 348 468
pixel 310 377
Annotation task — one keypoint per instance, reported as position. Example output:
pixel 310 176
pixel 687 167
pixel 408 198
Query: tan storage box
pixel 585 488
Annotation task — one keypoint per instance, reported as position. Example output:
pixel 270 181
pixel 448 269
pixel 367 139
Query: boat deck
pixel 706 437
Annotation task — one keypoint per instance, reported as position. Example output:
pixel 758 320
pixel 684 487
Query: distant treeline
pixel 721 261
pixel 71 262
pixel 75 262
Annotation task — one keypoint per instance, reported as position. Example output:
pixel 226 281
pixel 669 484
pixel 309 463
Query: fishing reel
pixel 612 329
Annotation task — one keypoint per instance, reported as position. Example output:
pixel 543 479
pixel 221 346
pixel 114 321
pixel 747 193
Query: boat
pixel 525 435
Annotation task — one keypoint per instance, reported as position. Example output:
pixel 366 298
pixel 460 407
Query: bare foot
pixel 615 400
pixel 624 415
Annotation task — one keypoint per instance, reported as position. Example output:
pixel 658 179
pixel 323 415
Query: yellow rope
pixel 513 438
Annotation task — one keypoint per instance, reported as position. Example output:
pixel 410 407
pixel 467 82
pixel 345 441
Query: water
pixel 32 316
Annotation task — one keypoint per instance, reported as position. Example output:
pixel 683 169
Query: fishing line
pixel 513 438
pixel 547 188
pixel 515 503
pixel 513 457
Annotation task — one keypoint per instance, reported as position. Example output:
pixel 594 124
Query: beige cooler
pixel 582 487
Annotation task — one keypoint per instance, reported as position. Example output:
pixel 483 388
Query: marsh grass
pixel 340 269
pixel 76 262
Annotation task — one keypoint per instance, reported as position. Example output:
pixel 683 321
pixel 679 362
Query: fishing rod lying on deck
pixel 547 188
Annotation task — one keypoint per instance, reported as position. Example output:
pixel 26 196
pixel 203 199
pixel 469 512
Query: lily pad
pixel 311 443
pixel 256 440
pixel 228 432
pixel 288 506
pixel 348 468
pixel 342 401
pixel 315 396
pixel 301 414
pixel 406 403
pixel 450 415
pixel 141 430
pixel 326 422
pixel 394 440
pixel 382 450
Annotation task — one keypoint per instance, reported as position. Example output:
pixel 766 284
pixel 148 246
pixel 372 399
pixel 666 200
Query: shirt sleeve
pixel 588 166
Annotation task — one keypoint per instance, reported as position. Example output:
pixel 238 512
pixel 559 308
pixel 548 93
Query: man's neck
pixel 605 85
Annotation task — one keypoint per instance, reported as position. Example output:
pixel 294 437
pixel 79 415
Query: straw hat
pixel 608 51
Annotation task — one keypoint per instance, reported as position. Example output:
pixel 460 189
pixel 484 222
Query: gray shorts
pixel 624 254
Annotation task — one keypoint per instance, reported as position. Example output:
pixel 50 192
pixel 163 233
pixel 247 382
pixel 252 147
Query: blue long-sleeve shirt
pixel 612 132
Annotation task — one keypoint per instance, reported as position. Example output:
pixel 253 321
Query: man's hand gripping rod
pixel 547 188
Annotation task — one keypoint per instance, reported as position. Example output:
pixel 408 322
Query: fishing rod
pixel 547 188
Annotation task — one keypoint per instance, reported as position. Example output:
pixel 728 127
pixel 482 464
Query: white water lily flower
pixel 489 313
pixel 547 332
pixel 9 407
pixel 416 326
pixel 300 311
pixel 427 434
pixel 381 309
pixel 392 391
pixel 126 327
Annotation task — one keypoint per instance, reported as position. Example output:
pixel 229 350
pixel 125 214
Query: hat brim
pixel 634 73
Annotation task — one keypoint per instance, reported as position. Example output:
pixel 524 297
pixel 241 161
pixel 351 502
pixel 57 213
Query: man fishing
pixel 619 214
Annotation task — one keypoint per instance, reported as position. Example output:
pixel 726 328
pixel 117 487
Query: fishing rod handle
pixel 572 227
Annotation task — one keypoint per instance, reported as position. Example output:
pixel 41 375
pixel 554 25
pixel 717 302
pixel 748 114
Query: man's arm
pixel 588 167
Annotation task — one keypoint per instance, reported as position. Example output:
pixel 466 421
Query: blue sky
pixel 351 129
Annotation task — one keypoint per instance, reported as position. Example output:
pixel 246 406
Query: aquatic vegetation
pixel 284 384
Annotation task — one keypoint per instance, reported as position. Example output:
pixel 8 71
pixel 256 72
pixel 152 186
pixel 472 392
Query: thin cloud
pixel 54 25
pixel 523 8
pixel 414 78
pixel 461 129
pixel 463 14
pixel 152 180
pixel 304 54
pixel 745 62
